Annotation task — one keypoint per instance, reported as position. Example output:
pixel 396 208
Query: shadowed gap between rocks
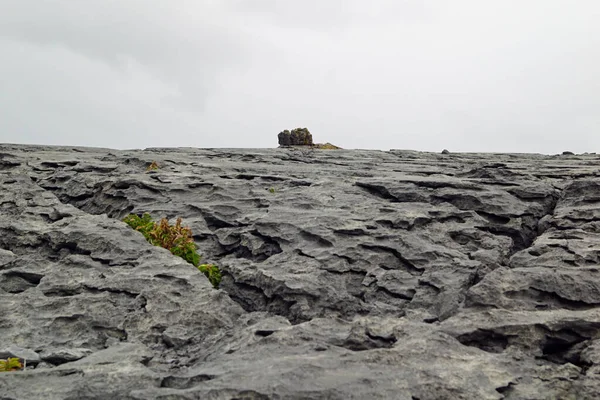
pixel 559 346
pixel 252 298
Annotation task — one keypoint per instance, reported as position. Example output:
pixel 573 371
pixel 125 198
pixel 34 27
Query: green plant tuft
pixel 175 238
pixel 212 272
pixel 153 166
pixel 143 224
pixel 10 364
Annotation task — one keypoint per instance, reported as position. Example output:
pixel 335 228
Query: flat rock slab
pixel 347 274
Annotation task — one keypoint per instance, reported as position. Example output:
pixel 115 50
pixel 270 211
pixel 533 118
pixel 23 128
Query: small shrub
pixel 153 167
pixel 175 238
pixel 10 364
pixel 271 190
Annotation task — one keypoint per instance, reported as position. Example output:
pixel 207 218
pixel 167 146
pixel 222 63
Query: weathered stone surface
pixel 361 274
pixel 284 138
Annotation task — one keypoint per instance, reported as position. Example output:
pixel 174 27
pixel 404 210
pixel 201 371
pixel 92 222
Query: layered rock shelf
pixel 347 274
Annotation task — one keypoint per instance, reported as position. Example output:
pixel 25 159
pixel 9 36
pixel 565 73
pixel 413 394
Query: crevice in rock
pixel 251 395
pixel 268 178
pixel 126 293
pixel 486 340
pixel 506 390
pixel 184 382
pixel 396 295
pixel 58 359
pixel 273 246
pixel 383 341
pixel 549 300
pixel 477 276
pixel 580 221
pixel 111 332
pixel 6 164
pixel 354 231
pixel 315 239
pixel 74 200
pixel 57 165
pixel 19 281
pixel 195 185
pixel 300 183
pixel 348 259
pixel 30 277
pixel 70 248
pixel 566 249
pixel 252 298
pixel 462 201
pixel 62 292
pixel 403 261
pixel 522 237
pixel 55 250
pixel 446 184
pixel 113 205
pixel 45 245
pixel 69 372
pixel 264 332
pixel 213 222
pixel 269 248
pixel 368 341
pixel 183 283
pixel 462 238
pixel 53 217
pixel 142 302
pixel 303 254
pixel 384 193
pixel 494 218
pixel 378 191
pixel 501 184
pixel 565 345
pixel 428 284
pixel 106 197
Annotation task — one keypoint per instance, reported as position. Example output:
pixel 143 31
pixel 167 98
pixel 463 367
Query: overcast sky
pixel 466 75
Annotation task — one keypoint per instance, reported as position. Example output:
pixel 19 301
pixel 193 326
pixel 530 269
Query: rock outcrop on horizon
pixel 297 137
pixel 346 275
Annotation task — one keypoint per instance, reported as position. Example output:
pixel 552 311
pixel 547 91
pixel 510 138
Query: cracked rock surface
pixel 347 274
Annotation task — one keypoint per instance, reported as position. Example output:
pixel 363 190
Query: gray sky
pixel 466 75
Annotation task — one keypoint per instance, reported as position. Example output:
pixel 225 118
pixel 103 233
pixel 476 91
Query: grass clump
pixel 153 167
pixel 10 364
pixel 175 238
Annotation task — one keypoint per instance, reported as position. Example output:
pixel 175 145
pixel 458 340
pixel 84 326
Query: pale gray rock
pixel 61 356
pixel 346 275
pixel 27 355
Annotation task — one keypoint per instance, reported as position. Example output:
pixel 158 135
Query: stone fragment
pixel 30 356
